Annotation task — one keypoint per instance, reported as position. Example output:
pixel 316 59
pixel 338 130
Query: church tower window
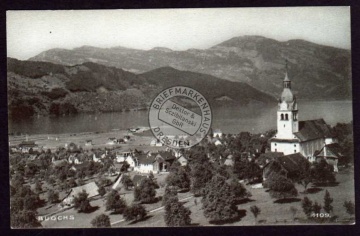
pixel 282 116
pixel 286 117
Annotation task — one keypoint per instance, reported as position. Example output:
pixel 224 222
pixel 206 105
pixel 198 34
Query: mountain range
pixel 318 72
pixel 45 88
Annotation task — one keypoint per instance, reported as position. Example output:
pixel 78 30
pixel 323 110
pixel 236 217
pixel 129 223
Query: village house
pixel 182 160
pixel 288 165
pixel 96 158
pixel 88 143
pixel 154 162
pixel 331 153
pixel 91 189
pixel 217 133
pixel 267 157
pixel 156 143
pixel 112 141
pixel 229 160
pixel 217 142
pixel 127 138
pixel 28 146
pixel 118 167
pixel 128 156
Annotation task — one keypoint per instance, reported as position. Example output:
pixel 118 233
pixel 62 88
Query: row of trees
pixel 114 203
pixel 311 208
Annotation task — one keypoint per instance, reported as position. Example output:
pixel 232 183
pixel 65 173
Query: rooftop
pixel 313 129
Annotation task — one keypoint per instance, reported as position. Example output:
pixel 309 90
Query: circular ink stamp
pixel 180 117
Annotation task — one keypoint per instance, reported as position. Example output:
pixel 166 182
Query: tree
pixel 280 186
pixel 350 207
pixel 115 203
pixel 176 214
pixel 52 196
pixel 246 169
pixel 71 183
pixel 170 192
pixel 101 221
pixel 307 206
pixel 31 202
pixel 322 172
pixel 179 178
pixel 256 211
pixel 293 211
pixel 304 176
pixel 328 208
pixel 135 212
pixel 24 219
pixel 224 171
pixel 81 202
pixel 200 172
pixel 239 190
pixel 80 182
pixel 102 191
pixel 38 187
pixel 126 181
pixel 145 193
pixel 219 201
pixel 104 182
pixel 316 207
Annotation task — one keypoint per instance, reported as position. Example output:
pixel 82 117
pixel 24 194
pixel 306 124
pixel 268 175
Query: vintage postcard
pixel 180 117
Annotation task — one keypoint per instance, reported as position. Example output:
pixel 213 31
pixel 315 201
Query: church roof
pixel 313 129
pixel 287 95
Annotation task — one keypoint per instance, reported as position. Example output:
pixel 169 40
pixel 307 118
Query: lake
pixel 254 118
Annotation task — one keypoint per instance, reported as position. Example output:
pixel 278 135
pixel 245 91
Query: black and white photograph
pixel 135 118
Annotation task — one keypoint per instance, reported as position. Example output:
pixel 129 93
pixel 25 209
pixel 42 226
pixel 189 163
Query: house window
pixel 275 144
pixel 295 151
pixel 275 150
pixel 294 145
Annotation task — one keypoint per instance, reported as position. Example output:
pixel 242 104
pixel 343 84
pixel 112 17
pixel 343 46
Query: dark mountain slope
pixel 50 89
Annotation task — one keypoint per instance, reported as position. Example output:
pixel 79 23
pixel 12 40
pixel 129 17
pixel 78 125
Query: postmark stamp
pixel 180 117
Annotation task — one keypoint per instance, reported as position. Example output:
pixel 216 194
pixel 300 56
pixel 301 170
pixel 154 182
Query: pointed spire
pixel 286 71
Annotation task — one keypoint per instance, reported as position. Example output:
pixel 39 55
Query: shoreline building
pixel 294 136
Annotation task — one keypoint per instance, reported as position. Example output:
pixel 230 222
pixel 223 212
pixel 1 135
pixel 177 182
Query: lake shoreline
pixel 234 119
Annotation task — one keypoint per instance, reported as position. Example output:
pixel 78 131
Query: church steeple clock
pixel 287 114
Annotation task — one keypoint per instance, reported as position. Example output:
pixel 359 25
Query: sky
pixel 32 32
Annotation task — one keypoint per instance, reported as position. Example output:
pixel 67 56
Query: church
pixel 294 136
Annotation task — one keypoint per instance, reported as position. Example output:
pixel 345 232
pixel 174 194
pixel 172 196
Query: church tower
pixel 287 114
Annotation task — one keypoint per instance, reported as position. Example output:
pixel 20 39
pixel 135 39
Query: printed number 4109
pixel 320 215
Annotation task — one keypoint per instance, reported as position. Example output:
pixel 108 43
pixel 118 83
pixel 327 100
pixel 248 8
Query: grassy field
pixel 271 213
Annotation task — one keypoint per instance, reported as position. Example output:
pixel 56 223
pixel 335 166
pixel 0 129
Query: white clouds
pixel 28 32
